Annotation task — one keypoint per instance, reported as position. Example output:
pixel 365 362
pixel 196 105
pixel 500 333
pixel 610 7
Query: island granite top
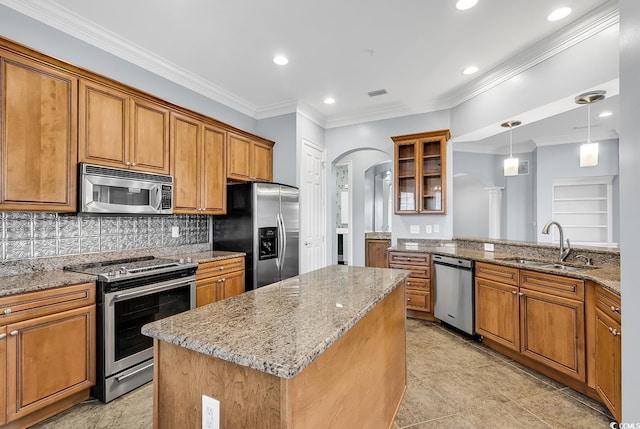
pixel 281 328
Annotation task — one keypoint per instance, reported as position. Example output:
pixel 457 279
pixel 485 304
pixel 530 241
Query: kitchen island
pixel 325 349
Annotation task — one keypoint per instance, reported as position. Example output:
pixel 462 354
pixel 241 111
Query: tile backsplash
pixel 35 235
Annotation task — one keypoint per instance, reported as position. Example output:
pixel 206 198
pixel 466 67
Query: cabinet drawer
pixel 418 300
pixel 608 303
pixel 410 258
pixel 417 283
pixel 552 284
pixel 28 305
pixel 417 271
pixel 217 268
pixel 497 273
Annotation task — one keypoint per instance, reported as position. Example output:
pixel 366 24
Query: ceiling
pixel 414 49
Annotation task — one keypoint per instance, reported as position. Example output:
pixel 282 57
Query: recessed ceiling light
pixel 470 70
pixel 605 114
pixel 558 14
pixel 465 4
pixel 329 100
pixel 281 60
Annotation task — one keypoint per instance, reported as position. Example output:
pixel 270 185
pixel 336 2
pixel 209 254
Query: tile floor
pixel 452 382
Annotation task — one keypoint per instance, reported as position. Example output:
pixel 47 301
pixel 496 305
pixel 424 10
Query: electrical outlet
pixel 414 229
pixel 427 229
pixel 210 413
pixel 488 247
pixel 175 231
pixel 436 228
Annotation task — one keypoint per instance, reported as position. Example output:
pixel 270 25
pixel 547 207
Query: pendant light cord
pixel 589 123
pixel 510 141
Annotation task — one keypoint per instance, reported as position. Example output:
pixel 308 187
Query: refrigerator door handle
pixel 278 244
pixel 283 240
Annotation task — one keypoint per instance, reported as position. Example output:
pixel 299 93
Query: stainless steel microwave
pixel 107 190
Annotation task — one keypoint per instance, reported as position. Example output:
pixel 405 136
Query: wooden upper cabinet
pixel 197 166
pixel 149 136
pixel 186 134
pixel 104 125
pixel 213 172
pixel 120 130
pixel 38 137
pixel 248 159
pixel 421 172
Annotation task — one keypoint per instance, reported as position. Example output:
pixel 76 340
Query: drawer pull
pixel 614 309
pixel 221 268
pixel 514 292
pixel 520 294
pixel 408 299
pixel 7 311
pixel 614 332
pixel 3 336
pixel 13 333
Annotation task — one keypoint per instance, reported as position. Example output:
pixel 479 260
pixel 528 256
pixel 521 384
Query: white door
pixel 312 208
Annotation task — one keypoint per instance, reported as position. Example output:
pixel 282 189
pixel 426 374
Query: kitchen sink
pixel 525 261
pixel 569 267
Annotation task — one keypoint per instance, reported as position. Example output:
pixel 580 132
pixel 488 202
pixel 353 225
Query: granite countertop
pixel 21 283
pixel 377 235
pixel 281 328
pixel 52 278
pixel 207 256
pixel 607 276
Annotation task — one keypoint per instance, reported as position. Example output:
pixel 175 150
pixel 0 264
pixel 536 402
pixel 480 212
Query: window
pixel 583 207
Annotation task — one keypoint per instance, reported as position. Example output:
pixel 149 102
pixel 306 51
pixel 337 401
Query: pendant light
pixel 511 163
pixel 589 150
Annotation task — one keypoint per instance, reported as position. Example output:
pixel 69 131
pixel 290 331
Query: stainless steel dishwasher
pixel 453 282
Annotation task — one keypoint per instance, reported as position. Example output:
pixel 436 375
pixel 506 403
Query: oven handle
pixel 147 291
pixel 131 374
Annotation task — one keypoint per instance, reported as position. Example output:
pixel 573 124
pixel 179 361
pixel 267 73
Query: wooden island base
pixel 358 382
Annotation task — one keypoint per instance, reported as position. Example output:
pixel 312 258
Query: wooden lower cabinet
pixel 607 350
pixel 3 374
pixel 539 316
pixel 418 286
pixel 48 361
pixel 219 280
pixel 376 254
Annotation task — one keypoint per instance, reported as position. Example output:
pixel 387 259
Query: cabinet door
pixel 433 175
pixel 39 136
pixel 233 285
pixel 238 157
pixel 149 136
pixel 3 374
pixel 103 124
pixel 406 186
pixel 206 290
pixel 608 362
pixel 497 312
pixel 553 332
pixel 213 181
pixel 262 161
pixel 185 143
pixel 376 253
pixel 49 358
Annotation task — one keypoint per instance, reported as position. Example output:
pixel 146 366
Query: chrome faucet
pixel 563 252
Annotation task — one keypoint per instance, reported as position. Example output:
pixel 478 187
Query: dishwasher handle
pixel 463 264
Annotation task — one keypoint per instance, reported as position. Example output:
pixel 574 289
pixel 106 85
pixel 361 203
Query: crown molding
pixel 600 19
pixel 312 114
pixel 525 147
pixel 62 19
pixel 578 137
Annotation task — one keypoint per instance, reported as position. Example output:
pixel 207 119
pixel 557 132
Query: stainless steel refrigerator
pixel 262 220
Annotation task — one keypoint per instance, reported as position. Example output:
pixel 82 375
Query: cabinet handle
pixel 133 164
pixel 514 292
pixel 408 283
pixel 615 309
pixel 520 294
pixel 7 311
pixel 408 299
pixel 3 336
pixel 614 332
pixel 13 333
pixel 127 163
pixel 221 268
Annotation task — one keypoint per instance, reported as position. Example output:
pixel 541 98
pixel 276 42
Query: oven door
pixel 104 194
pixel 126 311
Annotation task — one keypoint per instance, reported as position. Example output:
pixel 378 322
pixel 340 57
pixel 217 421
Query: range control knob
pixel 181 261
pixel 111 273
pixel 189 260
pixel 123 270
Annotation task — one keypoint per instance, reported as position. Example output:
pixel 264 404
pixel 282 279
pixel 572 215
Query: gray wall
pixel 470 207
pixel 630 205
pixel 43 38
pixel 517 203
pixel 282 130
pixel 563 161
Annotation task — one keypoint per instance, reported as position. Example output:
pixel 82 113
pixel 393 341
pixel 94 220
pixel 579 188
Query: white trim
pixel 304 141
pixel 63 19
pixel 349 164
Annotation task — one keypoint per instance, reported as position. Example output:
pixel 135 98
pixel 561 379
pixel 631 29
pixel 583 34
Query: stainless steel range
pixel 131 293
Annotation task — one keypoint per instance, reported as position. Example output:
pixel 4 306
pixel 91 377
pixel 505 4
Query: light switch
pixel 175 231
pixel 436 228
pixel 414 229
pixel 427 229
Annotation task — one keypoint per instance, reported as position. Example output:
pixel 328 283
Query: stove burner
pixel 121 269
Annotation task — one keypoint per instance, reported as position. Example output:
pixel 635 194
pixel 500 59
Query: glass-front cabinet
pixel 420 172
